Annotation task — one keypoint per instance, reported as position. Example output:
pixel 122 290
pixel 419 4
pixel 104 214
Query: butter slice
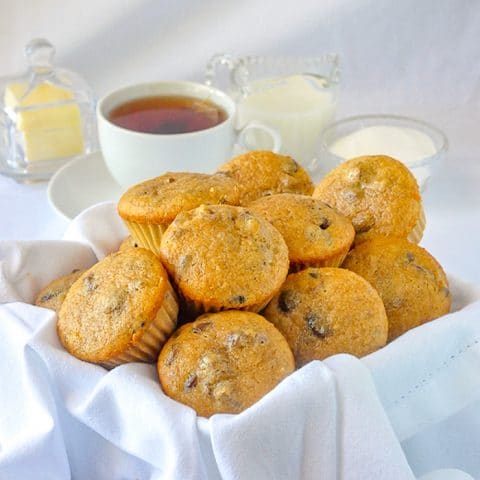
pixel 49 132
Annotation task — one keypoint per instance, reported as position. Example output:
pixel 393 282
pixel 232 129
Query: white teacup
pixel 133 156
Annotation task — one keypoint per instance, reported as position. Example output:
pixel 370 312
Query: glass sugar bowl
pixel 47 117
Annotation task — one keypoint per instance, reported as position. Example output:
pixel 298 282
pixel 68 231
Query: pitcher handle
pixel 220 59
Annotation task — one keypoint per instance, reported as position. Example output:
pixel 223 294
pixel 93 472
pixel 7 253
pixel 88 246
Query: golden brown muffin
pixel 316 235
pixel 53 295
pixel 412 284
pixel 128 242
pixel 222 257
pixel 378 194
pixel 260 173
pixel 120 310
pixel 224 362
pixel 325 311
pixel 149 207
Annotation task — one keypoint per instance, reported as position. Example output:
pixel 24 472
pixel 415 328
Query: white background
pixel 416 58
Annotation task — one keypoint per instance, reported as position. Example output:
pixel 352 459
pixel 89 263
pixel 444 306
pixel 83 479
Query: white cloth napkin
pixel 341 418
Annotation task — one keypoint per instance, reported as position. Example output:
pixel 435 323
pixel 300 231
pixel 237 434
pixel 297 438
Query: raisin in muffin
pixel 224 362
pixel 53 295
pixel 412 284
pixel 262 172
pixel 120 310
pixel 222 257
pixel 149 207
pixel 325 311
pixel 316 235
pixel 378 194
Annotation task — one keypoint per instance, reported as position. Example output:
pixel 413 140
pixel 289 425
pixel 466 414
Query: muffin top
pixel 412 284
pixel 224 362
pixel 128 242
pixel 225 256
pixel 325 311
pixel 53 295
pixel 260 173
pixel 160 199
pixel 311 229
pixel 111 304
pixel 377 193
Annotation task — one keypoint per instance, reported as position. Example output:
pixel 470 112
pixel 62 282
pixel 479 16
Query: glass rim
pixel 329 58
pixel 427 128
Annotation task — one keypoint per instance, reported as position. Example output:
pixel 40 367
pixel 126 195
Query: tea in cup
pixel 148 129
pixel 295 96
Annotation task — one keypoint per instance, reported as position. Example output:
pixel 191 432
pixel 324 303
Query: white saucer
pixel 81 183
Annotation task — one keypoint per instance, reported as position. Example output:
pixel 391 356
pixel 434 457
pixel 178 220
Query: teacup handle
pixel 256 125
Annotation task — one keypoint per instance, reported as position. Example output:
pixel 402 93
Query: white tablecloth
pixel 340 418
pixel 416 58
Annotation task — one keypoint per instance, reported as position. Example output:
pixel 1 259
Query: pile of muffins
pixel 232 280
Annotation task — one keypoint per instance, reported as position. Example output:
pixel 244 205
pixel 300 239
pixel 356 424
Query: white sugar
pixel 405 144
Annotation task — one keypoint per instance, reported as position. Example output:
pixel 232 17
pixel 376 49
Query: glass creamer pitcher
pixel 294 95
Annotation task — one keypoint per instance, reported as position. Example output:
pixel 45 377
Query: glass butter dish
pixel 47 117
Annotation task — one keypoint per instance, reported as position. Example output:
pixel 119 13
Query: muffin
pixel 412 284
pixel 222 257
pixel 325 311
pixel 53 295
pixel 261 173
pixel 224 362
pixel 378 194
pixel 316 235
pixel 149 207
pixel 120 310
pixel 128 242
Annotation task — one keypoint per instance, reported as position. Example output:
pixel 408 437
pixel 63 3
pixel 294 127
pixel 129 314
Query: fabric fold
pixel 340 418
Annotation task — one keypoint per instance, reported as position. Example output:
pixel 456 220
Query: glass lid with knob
pixel 47 117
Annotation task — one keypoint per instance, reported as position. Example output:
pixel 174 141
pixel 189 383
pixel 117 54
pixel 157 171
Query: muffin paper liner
pixel 147 235
pixel 417 233
pixel 194 308
pixel 334 261
pixel 147 347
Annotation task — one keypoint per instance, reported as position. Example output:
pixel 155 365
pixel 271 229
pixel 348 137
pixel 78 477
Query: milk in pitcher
pixel 297 106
